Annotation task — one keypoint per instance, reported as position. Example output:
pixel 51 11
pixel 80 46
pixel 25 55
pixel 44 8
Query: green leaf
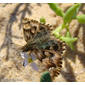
pixel 68 34
pixel 56 9
pixel 71 45
pixel 57 31
pixel 63 26
pixel 76 11
pixel 42 20
pixel 69 40
pixel 71 13
pixel 45 77
pixel 81 19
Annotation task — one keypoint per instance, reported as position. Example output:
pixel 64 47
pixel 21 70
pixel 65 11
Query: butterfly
pixel 41 43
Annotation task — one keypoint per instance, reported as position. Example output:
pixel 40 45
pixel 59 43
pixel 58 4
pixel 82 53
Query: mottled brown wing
pixel 32 27
pixel 51 57
pixel 49 52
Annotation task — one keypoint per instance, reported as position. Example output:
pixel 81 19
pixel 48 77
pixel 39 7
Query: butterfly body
pixel 43 45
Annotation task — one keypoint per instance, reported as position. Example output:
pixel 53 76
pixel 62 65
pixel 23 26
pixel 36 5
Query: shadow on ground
pixel 70 77
pixel 13 18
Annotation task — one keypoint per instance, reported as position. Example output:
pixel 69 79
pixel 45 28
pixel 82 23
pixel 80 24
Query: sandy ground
pixel 10 31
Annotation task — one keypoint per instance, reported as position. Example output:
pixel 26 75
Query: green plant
pixel 68 16
pixel 45 77
pixel 42 20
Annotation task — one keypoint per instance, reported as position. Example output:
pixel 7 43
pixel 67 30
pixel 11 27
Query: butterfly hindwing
pixel 50 54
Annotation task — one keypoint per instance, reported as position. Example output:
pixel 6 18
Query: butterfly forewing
pixel 32 27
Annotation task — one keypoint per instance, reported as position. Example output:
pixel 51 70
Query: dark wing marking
pixel 48 50
pixel 50 54
pixel 32 27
